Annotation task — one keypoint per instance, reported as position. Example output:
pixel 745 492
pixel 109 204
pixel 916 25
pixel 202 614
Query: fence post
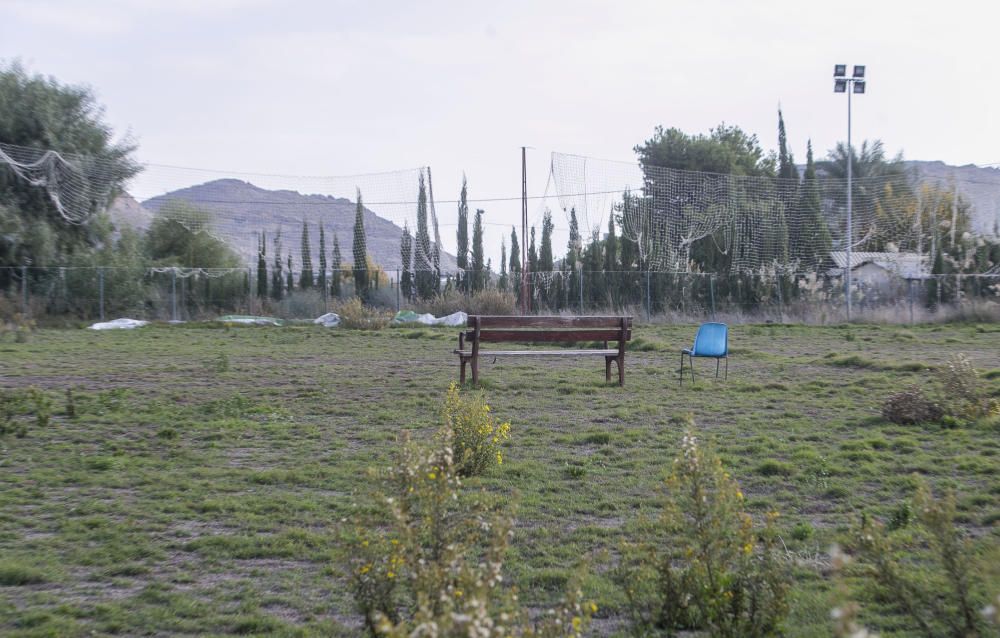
pixel 909 286
pixel 24 291
pixel 649 306
pixel 397 289
pixel 781 302
pixel 581 291
pixel 100 292
pixel 173 294
pixel 711 292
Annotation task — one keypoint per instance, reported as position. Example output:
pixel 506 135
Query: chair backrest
pixel 712 340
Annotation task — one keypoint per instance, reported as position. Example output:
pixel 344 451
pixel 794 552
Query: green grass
pixel 200 484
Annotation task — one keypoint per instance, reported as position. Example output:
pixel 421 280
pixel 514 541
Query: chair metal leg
pixel 691 362
pixel 726 378
pixel 680 377
pixel 717 368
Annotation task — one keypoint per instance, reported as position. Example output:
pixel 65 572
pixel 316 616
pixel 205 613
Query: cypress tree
pixel 424 274
pixel 322 259
pixel 336 275
pixel 462 254
pixel 786 164
pixel 291 275
pixel 478 268
pixel 360 267
pixel 592 265
pixel 532 254
pixel 262 267
pixel 574 251
pixel 306 276
pixel 515 263
pixel 502 284
pixel 436 254
pixel 406 255
pixel 812 246
pixel 277 281
pixel 611 261
pixel 545 261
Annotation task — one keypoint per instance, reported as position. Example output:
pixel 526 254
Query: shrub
pixel 964 394
pixel 356 315
pixel 708 567
pixel 935 588
pixel 435 569
pixel 484 302
pixel 477 436
pixel 911 406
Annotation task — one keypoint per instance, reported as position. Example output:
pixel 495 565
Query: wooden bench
pixel 497 329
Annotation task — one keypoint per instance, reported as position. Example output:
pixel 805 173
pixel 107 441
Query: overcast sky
pixel 343 87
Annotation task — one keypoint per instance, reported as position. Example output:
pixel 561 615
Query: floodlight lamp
pixel 859 71
pixel 839 70
pixel 859 86
pixel 840 86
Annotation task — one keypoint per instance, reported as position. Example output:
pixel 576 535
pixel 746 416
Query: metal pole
pixel 100 290
pixel 524 231
pixel 649 305
pixel 24 290
pixel 850 234
pixel 581 291
pixel 173 294
pixel 397 289
pixel 711 290
pixel 909 286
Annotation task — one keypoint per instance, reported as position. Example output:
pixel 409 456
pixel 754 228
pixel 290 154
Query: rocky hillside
pixel 977 184
pixel 240 212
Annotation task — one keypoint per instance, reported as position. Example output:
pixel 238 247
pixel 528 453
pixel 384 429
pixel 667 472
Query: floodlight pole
pixel 524 231
pixel 850 194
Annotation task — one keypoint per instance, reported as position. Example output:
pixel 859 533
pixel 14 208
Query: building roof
pixel 907 265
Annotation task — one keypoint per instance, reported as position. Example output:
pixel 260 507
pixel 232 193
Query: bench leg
pixel 621 370
pixel 462 376
pixel 475 369
pixel 607 369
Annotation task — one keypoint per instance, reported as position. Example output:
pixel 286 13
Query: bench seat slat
pixel 499 321
pixel 538 353
pixel 542 336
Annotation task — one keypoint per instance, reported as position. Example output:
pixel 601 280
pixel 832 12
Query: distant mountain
pixel 241 211
pixel 126 211
pixel 977 184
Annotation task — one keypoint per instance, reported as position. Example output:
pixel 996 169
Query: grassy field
pixel 199 485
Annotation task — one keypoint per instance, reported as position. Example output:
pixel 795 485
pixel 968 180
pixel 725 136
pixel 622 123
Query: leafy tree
pixel 478 267
pixel 726 150
pixel 322 260
pixel 306 276
pixel 171 242
pixel 262 267
pixel 424 274
pixel 336 272
pixel 406 255
pixel 41 113
pixel 360 267
pixel 462 254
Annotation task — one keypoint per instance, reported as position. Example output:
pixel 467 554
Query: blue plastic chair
pixel 711 341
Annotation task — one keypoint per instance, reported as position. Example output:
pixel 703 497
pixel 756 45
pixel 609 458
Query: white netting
pixel 680 219
pixel 77 185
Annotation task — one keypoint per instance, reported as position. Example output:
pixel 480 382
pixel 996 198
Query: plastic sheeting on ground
pixel 329 320
pixel 119 324
pixel 252 320
pixel 408 316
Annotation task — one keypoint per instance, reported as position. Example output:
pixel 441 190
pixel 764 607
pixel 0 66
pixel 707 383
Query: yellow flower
pixel 747 548
pixel 365 569
pixel 391 575
pixel 432 476
pixel 576 623
pixel 739 495
pixel 458 593
pixel 593 608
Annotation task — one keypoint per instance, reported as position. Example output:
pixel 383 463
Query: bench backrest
pixel 540 329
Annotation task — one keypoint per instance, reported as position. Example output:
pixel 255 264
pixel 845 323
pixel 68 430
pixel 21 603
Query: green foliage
pixel 262 267
pixel 336 276
pixel 436 567
pixel 963 392
pixel 462 237
pixel 931 575
pixel 477 436
pixel 171 241
pixel 406 256
pixel 306 276
pixel 479 273
pixel 16 407
pixel 423 272
pixel 726 149
pixel 705 565
pixel 39 112
pixel 360 268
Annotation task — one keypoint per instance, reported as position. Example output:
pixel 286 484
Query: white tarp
pixel 455 319
pixel 119 324
pixel 251 320
pixel 329 320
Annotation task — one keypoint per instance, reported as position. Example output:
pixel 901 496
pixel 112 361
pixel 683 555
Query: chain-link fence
pixel 185 294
